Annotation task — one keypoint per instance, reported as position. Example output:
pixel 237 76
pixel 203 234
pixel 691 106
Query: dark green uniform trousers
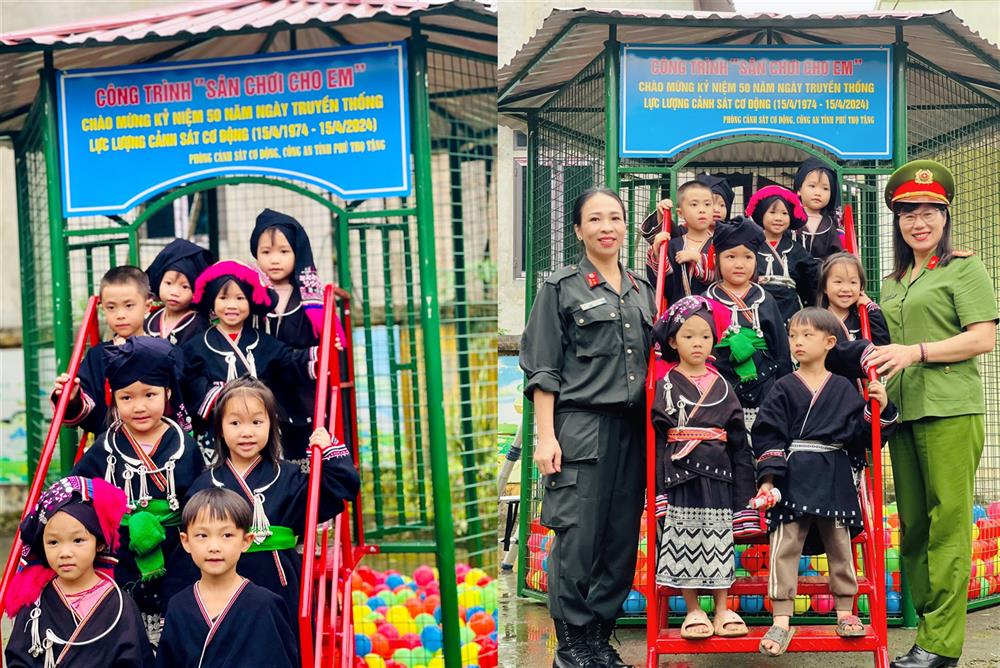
pixel 934 463
pixel 594 504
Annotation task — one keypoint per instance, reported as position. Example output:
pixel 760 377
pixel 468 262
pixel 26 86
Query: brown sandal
pixel 779 636
pixel 728 624
pixel 851 620
pixel 693 619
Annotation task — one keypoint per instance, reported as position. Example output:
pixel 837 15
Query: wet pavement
pixel 528 641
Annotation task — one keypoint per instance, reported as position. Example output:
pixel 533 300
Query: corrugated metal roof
pixel 571 38
pixel 218 28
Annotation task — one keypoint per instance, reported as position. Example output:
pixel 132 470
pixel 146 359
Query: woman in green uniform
pixel 584 354
pixel 941 310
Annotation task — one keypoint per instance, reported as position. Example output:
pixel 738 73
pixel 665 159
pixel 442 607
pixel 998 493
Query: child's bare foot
pixel 775 644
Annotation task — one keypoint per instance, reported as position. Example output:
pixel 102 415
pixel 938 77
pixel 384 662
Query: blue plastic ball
pixel 437 614
pixel 804 564
pixel 978 513
pixel 635 603
pixel 545 564
pixel 394 580
pixel 362 644
pixel 375 603
pixel 431 638
pixel 751 604
pixel 677 604
pixel 893 603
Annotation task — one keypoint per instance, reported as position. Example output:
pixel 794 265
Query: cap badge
pixel 924 176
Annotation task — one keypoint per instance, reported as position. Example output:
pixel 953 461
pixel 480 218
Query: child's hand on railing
pixel 876 391
pixel 320 437
pixel 61 382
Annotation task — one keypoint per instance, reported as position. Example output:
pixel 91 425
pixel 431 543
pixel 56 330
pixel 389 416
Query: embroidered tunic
pixel 811 444
pixel 278 496
pixel 757 311
pixel 111 634
pixel 704 475
pixel 851 325
pixel 825 241
pixel 163 474
pixel 789 274
pixel 253 630
pixel 189 327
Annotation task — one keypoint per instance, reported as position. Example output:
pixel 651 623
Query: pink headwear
pixel 211 281
pixel 799 215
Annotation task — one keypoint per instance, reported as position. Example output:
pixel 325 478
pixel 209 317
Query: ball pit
pixel 397 618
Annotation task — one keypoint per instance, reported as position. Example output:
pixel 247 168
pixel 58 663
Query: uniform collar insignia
pixel 593 279
pixel 933 262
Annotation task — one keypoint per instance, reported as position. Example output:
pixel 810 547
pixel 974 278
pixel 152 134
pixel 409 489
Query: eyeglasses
pixel 926 216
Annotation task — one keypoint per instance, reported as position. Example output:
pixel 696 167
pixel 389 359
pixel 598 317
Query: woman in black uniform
pixel 584 354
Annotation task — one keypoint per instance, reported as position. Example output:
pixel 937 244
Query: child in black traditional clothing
pixel 249 462
pixel 789 271
pixel 704 470
pixel 69 611
pixel 233 347
pixel 171 278
pixel 816 185
pixel 151 458
pixel 223 619
pixel 284 255
pixel 688 270
pixel 752 351
pixel 811 434
pixel 125 299
pixel 842 292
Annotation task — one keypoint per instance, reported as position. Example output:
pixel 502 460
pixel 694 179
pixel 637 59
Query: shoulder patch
pixel 962 253
pixel 562 274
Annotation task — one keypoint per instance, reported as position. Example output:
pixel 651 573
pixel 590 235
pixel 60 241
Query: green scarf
pixel 147 533
pixel 742 345
pixel 281 538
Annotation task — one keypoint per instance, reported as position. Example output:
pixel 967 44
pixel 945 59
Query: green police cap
pixel 923 181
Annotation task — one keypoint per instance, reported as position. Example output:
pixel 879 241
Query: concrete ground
pixel 528 641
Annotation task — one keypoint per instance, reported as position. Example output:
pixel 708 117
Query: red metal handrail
pixel 877 604
pixel 88 326
pixel 328 362
pixel 652 604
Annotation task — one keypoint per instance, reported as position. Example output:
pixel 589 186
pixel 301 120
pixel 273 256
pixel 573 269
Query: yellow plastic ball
pixel 398 614
pixel 374 661
pixel 470 598
pixel 436 662
pixel 801 604
pixel 470 654
pixel 365 628
pixel 474 576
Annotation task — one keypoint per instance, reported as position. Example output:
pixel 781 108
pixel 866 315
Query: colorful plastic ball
pixel 751 603
pixel 432 638
pixel 409 640
pixel 803 564
pixel 424 620
pixel 365 628
pixel 470 653
pixel 470 598
pixel 677 604
pixel 978 512
pixel 863 604
pixel 476 577
pixel 893 603
pixel 465 635
pixel 481 624
pixel 362 644
pixel 461 570
pixel 389 631
pixel 436 662
pixel 380 645
pixel 423 575
pixel 635 603
pixel 707 603
pixel 892 559
pixel 394 580
pixel 374 661
pixel 414 606
pixel 801 604
pixel 489 597
pixel 822 603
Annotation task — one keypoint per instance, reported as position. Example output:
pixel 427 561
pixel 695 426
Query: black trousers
pixel 594 504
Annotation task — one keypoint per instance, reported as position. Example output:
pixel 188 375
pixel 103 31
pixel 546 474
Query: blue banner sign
pixel 838 98
pixel 336 118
